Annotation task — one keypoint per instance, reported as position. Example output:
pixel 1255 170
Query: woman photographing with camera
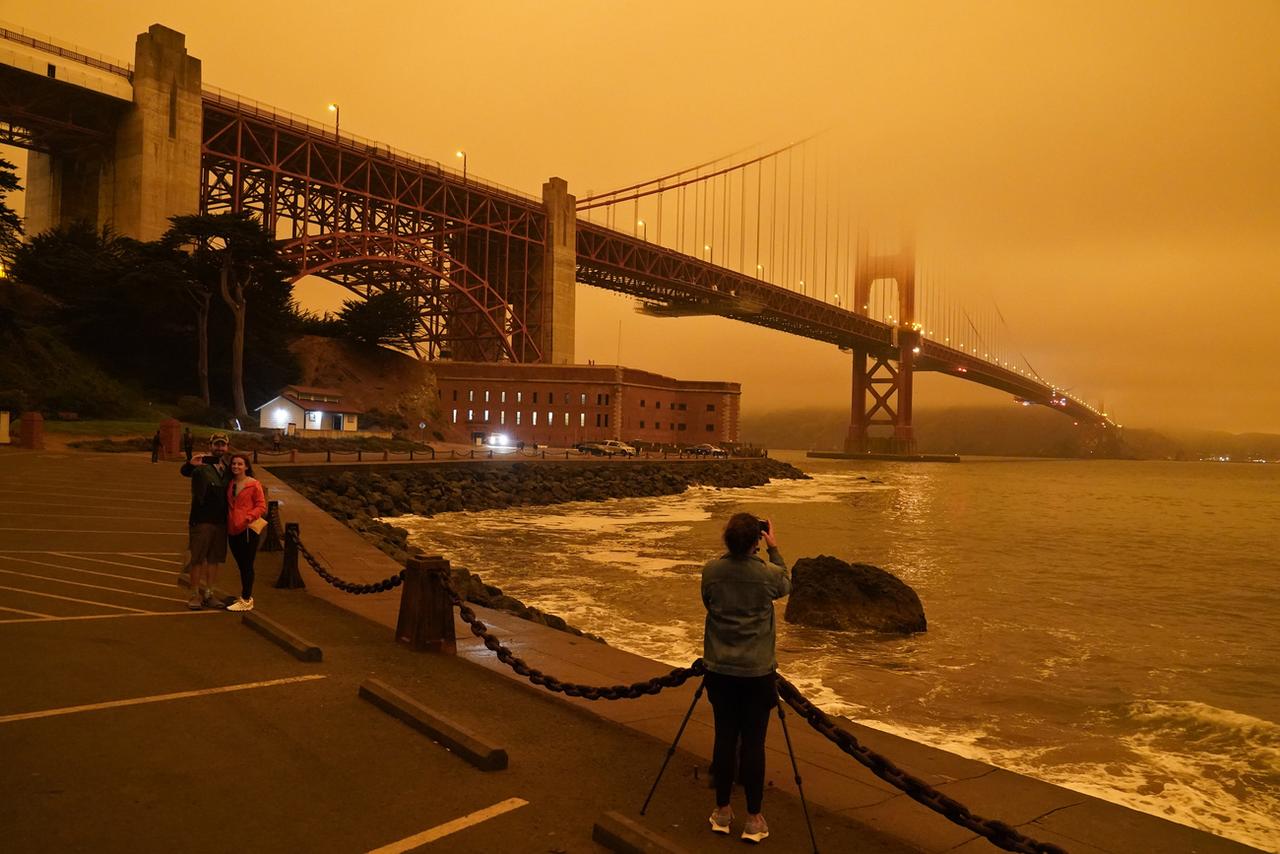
pixel 738 590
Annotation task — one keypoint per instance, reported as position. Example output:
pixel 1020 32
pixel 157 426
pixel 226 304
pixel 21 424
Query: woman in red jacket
pixel 246 506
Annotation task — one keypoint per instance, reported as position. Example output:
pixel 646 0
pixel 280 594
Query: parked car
pixel 607 448
pixel 705 450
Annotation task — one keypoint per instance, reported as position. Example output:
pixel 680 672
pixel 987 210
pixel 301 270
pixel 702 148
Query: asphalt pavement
pixel 129 723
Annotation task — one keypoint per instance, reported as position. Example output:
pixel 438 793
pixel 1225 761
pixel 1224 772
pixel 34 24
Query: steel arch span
pixel 372 220
pixel 461 315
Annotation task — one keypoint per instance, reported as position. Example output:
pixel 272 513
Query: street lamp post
pixel 337 119
pixel 463 155
pixel 644 230
pixel 711 254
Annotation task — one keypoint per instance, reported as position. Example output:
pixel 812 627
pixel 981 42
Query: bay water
pixel 1109 626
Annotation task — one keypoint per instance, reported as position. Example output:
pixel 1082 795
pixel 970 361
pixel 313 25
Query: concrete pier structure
pixel 559 272
pixel 149 170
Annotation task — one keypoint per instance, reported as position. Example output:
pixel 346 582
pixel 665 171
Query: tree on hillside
pixel 10 222
pixel 244 258
pixel 167 273
pixel 389 317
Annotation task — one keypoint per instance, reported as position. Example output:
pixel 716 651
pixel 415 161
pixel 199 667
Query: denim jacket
pixel 739 592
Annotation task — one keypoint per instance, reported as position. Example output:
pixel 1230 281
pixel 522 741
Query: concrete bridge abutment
pixel 150 169
pixel 559 273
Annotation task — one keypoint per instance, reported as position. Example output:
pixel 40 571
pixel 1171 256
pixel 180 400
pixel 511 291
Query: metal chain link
pixel 346 586
pixel 673 679
pixel 999 833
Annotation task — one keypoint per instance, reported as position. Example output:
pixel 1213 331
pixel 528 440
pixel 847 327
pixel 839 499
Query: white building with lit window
pixel 308 410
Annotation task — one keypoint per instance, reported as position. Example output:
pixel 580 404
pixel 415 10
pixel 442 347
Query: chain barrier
pixel 674 679
pixel 997 832
pixel 346 586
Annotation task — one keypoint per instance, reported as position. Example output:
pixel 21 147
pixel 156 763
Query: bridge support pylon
pixel 150 168
pixel 880 411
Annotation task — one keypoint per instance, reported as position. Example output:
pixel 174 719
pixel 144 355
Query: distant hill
pixel 1007 431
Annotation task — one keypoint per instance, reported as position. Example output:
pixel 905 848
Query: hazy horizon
pixel 1104 175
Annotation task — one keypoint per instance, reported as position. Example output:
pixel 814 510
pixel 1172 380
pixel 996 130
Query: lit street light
pixel 644 230
pixel 463 155
pixel 711 255
pixel 337 119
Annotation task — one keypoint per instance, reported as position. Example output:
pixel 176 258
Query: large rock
pixel 828 593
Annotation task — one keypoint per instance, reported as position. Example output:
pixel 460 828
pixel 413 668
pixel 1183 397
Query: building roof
pixel 312 405
pixel 314 389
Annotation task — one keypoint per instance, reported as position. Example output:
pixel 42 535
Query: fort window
pixel 711 407
pixel 583 398
pixel 606 400
pixel 502 417
pixel 566 419
pixel 657 404
pixel 681 428
pixel 502 397
pixel 486 416
pixel 606 419
pixel 455 416
pixel 597 419
pixel 641 425
pixel 566 398
pixel 582 419
pixel 486 395
pixel 471 415
pixel 551 418
pixel 455 394
pixel 471 395
pixel 519 397
pixel 517 417
pixel 535 397
pixel 535 418
pixel 642 404
pixel 711 428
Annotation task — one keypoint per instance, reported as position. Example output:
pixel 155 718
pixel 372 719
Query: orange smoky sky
pixel 1105 174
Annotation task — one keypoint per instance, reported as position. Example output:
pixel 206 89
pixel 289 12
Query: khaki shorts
pixel 208 543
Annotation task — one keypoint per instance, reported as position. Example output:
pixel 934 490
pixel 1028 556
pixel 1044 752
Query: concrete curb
pixel 619 833
pixel 455 737
pixel 303 650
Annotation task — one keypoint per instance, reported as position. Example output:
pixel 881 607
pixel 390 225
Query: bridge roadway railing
pixel 50 45
pixel 426 622
pixel 362 145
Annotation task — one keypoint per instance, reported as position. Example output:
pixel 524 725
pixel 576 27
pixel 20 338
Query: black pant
pixel 244 548
pixel 741 705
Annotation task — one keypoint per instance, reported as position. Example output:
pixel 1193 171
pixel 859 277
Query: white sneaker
pixel 755 830
pixel 241 604
pixel 720 820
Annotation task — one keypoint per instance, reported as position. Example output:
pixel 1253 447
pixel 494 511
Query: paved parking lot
pixel 129 723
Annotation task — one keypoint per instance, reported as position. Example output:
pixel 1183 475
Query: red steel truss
pixel 372 221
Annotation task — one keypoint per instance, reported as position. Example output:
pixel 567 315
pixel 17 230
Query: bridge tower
pixel 882 380
pixel 149 167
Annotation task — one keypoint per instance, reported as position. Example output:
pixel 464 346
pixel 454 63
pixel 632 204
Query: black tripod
pixel 782 719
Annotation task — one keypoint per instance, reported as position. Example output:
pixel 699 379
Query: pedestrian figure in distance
pixel 207 521
pixel 738 649
pixel 155 447
pixel 188 442
pixel 246 512
pixel 275 441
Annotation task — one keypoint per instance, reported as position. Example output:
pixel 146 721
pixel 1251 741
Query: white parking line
pixel 72 556
pixel 156 698
pixel 145 556
pixel 28 613
pixel 183 613
pixel 91 586
pixel 110 498
pixel 90 571
pixel 70 599
pixel 79 531
pixel 411 842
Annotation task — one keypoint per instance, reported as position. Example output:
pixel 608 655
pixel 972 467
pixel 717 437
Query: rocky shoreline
pixel 362 497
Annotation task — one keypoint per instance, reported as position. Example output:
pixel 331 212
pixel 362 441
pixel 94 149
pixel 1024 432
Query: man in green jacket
pixel 207 521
